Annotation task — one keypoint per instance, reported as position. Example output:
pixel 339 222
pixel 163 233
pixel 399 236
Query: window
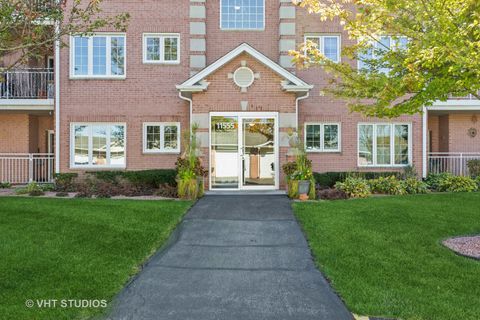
pixel 98 145
pixel 98 56
pixel 378 49
pixel 161 48
pixel 384 144
pixel 328 45
pixel 242 14
pixel 322 137
pixel 161 137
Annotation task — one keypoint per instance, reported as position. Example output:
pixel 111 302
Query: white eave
pixel 291 84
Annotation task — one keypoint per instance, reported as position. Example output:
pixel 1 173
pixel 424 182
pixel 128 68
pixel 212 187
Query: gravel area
pixel 466 246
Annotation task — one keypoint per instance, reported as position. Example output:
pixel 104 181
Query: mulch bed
pixel 465 246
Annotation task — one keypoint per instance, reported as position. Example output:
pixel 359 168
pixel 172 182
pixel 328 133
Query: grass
pixel 75 249
pixel 384 256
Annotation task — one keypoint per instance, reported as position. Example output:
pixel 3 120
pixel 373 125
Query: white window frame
pixel 162 126
pixel 90 74
pixel 321 47
pixel 162 37
pixel 376 45
pixel 243 29
pixel 90 143
pixel 392 144
pixel 322 137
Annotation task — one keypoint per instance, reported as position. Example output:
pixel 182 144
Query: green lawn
pixel 384 257
pixel 75 249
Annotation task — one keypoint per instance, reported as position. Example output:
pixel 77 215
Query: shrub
pixel 458 184
pixel 355 187
pixel 414 186
pixel 409 172
pixel 387 185
pixel 329 179
pixel 5 185
pixel 47 187
pixel 33 189
pixel 289 168
pixel 167 191
pixel 145 178
pixel 64 182
pixel 474 167
pixel 477 180
pixel 331 194
pixel 434 180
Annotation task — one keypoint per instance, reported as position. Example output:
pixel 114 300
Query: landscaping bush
pixel 64 182
pixel 434 180
pixel 331 194
pixel 146 178
pixel 458 184
pixel 474 167
pixel 5 185
pixel 387 185
pixel 414 186
pixel 167 191
pixel 32 189
pixel 355 187
pixel 329 179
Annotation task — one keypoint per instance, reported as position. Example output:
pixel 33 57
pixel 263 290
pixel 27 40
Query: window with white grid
pixel 242 14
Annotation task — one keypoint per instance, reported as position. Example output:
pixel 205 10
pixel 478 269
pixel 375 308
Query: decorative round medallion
pixel 243 77
pixel 472 132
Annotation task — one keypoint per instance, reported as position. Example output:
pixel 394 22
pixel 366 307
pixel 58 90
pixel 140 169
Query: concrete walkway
pixel 233 257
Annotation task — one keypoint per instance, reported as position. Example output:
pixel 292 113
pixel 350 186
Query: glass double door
pixel 243 151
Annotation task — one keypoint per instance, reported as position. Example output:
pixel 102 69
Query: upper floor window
pixel 322 137
pixel 379 48
pixel 100 55
pixel 242 14
pixel 161 48
pixel 328 45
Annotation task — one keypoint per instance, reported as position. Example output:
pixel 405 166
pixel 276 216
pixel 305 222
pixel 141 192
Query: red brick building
pixel 120 101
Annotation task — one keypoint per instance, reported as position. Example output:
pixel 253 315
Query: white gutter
pixel 191 106
pixel 424 141
pixel 57 100
pixel 305 96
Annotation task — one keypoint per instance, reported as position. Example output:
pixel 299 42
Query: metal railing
pixel 453 162
pixel 27 84
pixel 21 168
pixel 467 97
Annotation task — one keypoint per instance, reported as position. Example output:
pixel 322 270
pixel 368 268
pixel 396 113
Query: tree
pixel 30 27
pixel 436 52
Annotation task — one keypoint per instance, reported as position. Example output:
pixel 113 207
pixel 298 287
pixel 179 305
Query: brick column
pixel 198 31
pixel 287 33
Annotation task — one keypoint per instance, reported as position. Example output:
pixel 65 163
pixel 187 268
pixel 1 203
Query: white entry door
pixel 244 151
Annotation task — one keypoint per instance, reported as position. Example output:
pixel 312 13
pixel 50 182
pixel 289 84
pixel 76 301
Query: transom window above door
pixel 328 45
pixel 322 137
pixel 161 137
pixel 161 48
pixel 97 56
pixel 242 14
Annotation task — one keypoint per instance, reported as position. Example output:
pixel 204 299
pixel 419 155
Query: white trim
pixel 424 142
pixel 455 105
pixel 27 104
pixel 162 126
pixel 57 99
pixel 322 137
pixel 90 74
pixel 161 37
pixel 90 154
pixel 392 145
pixel 321 48
pixel 192 83
pixel 240 116
pixel 243 29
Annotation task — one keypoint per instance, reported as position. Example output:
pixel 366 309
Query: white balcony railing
pixel 453 162
pixel 21 168
pixel 26 84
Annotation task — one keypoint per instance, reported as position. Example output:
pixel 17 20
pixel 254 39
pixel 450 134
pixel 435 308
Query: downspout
pixel 424 141
pixel 191 104
pixel 305 96
pixel 57 99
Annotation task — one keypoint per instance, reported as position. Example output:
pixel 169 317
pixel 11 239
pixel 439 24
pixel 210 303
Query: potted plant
pixel 299 172
pixel 190 172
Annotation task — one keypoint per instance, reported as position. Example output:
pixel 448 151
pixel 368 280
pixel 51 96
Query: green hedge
pixel 329 179
pixel 151 178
